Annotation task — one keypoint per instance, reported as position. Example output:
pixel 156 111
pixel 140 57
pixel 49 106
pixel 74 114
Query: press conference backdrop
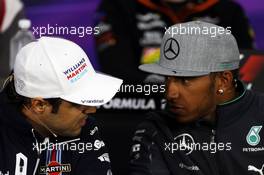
pixel 81 13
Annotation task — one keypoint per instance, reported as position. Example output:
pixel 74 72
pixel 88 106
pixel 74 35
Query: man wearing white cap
pixel 45 109
pixel 211 125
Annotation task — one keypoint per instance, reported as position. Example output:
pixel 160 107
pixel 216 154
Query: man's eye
pixel 75 105
pixel 80 107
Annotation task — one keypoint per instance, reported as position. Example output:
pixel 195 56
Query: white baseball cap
pixel 58 68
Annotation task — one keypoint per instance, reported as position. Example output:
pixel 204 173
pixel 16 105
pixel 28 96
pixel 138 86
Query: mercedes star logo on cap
pixel 171 49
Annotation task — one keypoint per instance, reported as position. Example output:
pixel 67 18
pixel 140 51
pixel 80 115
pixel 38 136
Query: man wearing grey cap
pixel 211 124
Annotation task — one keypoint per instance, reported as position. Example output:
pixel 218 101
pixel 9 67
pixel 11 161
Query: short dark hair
pixel 20 100
pixel 235 74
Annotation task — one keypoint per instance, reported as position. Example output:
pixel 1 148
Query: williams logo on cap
pixel 171 49
pixel 76 71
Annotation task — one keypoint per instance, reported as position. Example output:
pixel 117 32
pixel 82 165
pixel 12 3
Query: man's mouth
pixel 83 121
pixel 176 108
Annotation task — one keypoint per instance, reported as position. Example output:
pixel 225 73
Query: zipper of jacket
pixel 38 150
pixel 213 136
pixel 214 141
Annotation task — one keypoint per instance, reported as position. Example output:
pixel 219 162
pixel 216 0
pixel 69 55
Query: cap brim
pixel 157 69
pixel 97 90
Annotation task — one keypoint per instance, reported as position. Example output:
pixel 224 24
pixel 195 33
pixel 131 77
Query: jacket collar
pixel 231 111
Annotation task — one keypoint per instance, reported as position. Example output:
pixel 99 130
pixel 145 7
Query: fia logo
pixel 253 137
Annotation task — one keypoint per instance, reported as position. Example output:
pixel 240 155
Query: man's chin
pixel 74 133
pixel 182 118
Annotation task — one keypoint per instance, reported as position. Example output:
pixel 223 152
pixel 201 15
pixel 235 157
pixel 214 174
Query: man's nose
pixel 173 90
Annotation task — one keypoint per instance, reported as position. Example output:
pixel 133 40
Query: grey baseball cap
pixel 194 49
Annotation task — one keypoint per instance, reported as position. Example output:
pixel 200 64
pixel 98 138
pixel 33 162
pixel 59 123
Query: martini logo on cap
pixel 171 49
pixel 77 71
pixel 54 168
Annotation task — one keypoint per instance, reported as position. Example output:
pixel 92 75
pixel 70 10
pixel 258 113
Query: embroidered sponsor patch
pixel 92 101
pixel 54 168
pixel 77 71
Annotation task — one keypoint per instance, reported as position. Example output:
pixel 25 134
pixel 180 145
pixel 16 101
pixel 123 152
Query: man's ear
pixel 224 82
pixel 38 105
